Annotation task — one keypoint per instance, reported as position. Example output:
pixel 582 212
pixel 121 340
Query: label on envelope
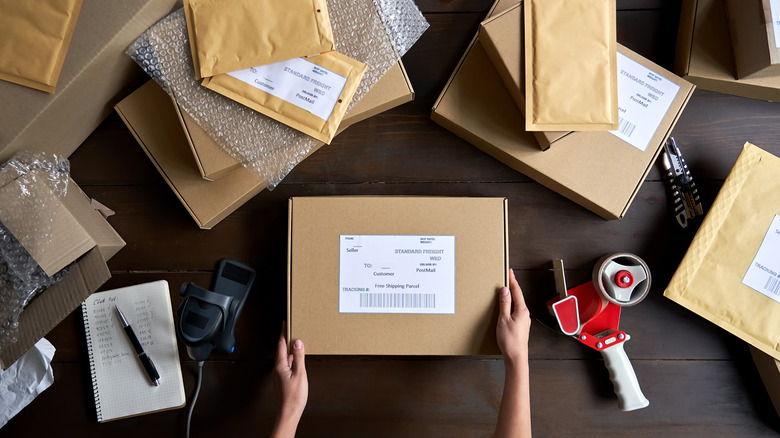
pixel 644 98
pixel 774 6
pixel 396 274
pixel 763 275
pixel 299 82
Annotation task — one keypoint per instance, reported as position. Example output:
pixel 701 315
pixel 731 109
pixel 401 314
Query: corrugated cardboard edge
pixel 52 306
pixel 682 58
pixel 289 271
pixel 769 369
pixel 78 98
pixel 81 207
pixel 677 289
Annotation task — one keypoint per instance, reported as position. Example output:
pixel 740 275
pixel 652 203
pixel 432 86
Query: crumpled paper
pixel 25 379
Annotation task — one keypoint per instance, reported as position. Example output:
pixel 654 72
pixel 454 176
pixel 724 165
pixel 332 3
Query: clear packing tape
pixel 375 32
pixel 30 179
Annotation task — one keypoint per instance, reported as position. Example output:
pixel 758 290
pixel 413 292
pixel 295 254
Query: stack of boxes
pixel 600 170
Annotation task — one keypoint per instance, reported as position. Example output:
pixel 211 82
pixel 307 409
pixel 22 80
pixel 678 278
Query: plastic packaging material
pixel 21 278
pixel 376 34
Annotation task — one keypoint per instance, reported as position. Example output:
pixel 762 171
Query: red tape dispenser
pixel 590 313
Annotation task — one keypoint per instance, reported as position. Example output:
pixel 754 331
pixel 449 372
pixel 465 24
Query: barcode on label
pixel 425 301
pixel 625 127
pixel 773 285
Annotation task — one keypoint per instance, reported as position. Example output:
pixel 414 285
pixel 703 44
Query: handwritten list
pixel 120 384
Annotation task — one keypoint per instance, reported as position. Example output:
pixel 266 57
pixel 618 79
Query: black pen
pixel 145 360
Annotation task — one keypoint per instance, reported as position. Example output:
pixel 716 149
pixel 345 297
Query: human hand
pixel 514 323
pixel 292 385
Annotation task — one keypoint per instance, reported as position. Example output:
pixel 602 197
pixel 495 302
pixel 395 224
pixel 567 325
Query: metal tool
pixel 590 313
pixel 685 195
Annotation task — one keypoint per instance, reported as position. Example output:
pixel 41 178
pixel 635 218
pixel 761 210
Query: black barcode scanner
pixel 207 318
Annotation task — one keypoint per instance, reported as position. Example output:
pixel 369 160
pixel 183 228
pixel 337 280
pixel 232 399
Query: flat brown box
pixel 214 163
pixel 476 106
pixel 153 120
pixel 94 75
pixel 753 38
pixel 481 262
pixel 704 55
pixel 90 271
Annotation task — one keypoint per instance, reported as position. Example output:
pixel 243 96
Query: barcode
pixel 773 285
pixel 425 301
pixel 625 127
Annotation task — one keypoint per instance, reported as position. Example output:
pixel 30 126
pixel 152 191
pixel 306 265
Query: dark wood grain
pixel 700 379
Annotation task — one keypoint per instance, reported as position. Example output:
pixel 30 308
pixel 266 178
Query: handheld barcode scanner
pixel 207 318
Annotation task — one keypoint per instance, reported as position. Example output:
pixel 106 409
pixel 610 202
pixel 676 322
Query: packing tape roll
pixel 641 289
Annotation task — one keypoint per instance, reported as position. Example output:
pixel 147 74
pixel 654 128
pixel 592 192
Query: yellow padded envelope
pixel 730 274
pixel 229 35
pixel 571 65
pixel 34 39
pixel 308 94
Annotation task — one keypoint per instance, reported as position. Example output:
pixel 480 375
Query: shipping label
pixel 774 6
pixel 644 98
pixel 763 275
pixel 396 274
pixel 299 82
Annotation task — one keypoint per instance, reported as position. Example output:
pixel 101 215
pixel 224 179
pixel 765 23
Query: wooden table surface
pixel 700 380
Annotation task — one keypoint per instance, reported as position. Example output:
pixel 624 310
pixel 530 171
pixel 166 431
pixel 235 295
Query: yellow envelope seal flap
pixel 730 274
pixel 35 38
pixel 308 94
pixel 571 65
pixel 229 35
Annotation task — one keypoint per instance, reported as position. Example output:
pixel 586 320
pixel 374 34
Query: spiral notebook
pixel 121 386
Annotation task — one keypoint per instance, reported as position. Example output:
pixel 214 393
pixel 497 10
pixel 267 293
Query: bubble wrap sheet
pixel 21 278
pixel 375 33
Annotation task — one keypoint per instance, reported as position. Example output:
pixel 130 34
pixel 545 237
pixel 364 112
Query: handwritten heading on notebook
pixel 119 382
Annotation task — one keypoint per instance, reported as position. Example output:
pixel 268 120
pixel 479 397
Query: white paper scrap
pixel 25 379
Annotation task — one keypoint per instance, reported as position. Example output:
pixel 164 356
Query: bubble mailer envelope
pixel 571 65
pixel 375 33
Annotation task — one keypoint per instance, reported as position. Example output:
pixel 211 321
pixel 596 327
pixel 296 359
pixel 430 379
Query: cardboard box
pixel 152 119
pixel 95 72
pixel 753 41
pixel 75 223
pixel 502 38
pixel 730 274
pixel 769 369
pixel 582 166
pixel 213 162
pixel 704 55
pixel 323 255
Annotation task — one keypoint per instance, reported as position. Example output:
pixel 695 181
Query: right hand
pixel 514 322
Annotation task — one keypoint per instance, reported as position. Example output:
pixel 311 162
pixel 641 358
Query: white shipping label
pixel 644 97
pixel 396 274
pixel 763 275
pixel 774 6
pixel 299 82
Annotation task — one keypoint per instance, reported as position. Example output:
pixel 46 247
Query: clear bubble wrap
pixel 376 33
pixel 21 278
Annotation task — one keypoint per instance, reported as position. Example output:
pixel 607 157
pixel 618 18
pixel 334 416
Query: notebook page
pixel 121 386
